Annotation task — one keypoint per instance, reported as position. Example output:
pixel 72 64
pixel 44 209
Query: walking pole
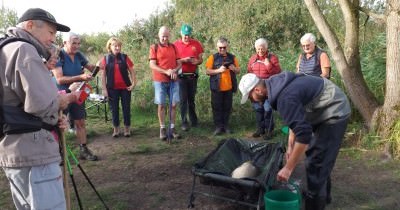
pixel 73 183
pixel 65 169
pixel 171 89
pixel 86 176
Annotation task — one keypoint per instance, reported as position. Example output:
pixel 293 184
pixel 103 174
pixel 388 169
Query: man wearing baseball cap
pixel 191 53
pixel 317 113
pixel 29 154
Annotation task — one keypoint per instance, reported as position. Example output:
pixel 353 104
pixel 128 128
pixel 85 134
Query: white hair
pixel 162 30
pixel 308 37
pixel 69 36
pixel 261 42
pixel 38 23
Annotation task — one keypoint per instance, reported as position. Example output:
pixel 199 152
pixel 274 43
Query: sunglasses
pixel 222 48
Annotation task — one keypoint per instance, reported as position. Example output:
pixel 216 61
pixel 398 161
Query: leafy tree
pixel 8 18
pixel 348 62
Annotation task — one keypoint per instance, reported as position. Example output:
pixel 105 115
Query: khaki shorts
pixel 37 187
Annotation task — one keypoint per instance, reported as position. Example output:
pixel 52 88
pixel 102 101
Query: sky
pixel 88 16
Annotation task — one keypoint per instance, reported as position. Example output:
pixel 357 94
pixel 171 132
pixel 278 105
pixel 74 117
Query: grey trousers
pixel 37 187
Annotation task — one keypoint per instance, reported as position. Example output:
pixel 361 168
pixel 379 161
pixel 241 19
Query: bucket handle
pixel 295 186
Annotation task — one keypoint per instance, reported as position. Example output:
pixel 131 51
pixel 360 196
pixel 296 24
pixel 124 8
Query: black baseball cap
pixel 41 14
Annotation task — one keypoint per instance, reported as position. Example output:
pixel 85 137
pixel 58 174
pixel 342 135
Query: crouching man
pixel 29 151
pixel 317 113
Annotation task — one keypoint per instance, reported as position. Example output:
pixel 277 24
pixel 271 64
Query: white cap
pixel 246 84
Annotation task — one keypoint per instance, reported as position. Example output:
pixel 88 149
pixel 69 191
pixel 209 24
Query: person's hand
pixel 194 61
pixel 130 88
pixel 172 74
pixel 232 67
pixel 74 86
pixel 283 175
pixel 266 61
pixel 86 77
pixel 104 93
pixel 66 99
pixel 63 122
pixel 221 69
pixel 187 60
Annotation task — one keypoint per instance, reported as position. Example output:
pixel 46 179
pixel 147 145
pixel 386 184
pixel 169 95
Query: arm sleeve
pixel 275 67
pixel 209 63
pixel 250 64
pixel 293 114
pixel 152 53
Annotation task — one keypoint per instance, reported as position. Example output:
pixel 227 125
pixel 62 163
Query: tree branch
pixel 378 18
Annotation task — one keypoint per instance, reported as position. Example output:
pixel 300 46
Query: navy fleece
pixel 288 93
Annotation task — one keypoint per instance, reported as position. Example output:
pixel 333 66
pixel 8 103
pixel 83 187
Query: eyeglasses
pixel 305 45
pixel 222 48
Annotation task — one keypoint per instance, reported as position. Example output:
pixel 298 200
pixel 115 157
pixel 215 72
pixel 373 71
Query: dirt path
pixel 141 172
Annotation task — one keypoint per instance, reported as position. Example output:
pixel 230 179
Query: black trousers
pixel 221 102
pixel 320 160
pixel 114 97
pixel 187 91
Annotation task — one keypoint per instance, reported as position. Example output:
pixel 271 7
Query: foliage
pixel 374 70
pixel 8 18
pixel 394 140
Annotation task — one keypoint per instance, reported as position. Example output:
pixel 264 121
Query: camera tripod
pixel 67 167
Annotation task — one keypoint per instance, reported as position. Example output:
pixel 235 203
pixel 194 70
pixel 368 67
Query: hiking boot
pixel 163 134
pixel 218 131
pixel 174 134
pixel 86 154
pixel 185 127
pixel 258 132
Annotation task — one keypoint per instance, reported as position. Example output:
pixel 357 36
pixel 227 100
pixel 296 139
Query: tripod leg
pixel 74 184
pixel 86 176
pixel 171 92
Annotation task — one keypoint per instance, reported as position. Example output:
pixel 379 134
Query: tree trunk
pixel 391 107
pixel 348 60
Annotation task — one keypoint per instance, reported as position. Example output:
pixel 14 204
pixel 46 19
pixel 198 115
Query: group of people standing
pixel 315 110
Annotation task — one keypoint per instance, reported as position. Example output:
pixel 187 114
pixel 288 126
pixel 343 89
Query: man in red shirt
pixel 165 63
pixel 190 52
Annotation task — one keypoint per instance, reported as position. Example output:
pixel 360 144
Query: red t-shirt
pixel 165 58
pixel 192 49
pixel 119 82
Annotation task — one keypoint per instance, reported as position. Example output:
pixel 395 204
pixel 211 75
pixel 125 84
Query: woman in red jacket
pixel 264 64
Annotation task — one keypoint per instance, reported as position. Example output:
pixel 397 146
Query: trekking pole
pixel 73 183
pixel 64 157
pixel 86 176
pixel 171 90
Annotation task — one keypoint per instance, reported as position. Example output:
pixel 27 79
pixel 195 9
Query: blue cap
pixel 186 29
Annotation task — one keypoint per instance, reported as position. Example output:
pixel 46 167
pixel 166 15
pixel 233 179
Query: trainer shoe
pixel 258 132
pixel 175 135
pixel 163 134
pixel 218 131
pixel 228 131
pixel 86 154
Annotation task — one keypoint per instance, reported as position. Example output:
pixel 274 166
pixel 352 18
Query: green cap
pixel 186 29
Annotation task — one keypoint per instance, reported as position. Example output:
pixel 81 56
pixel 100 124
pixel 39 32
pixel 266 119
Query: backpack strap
pixel 8 39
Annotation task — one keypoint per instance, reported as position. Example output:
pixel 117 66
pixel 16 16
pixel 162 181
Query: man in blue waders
pixel 317 113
